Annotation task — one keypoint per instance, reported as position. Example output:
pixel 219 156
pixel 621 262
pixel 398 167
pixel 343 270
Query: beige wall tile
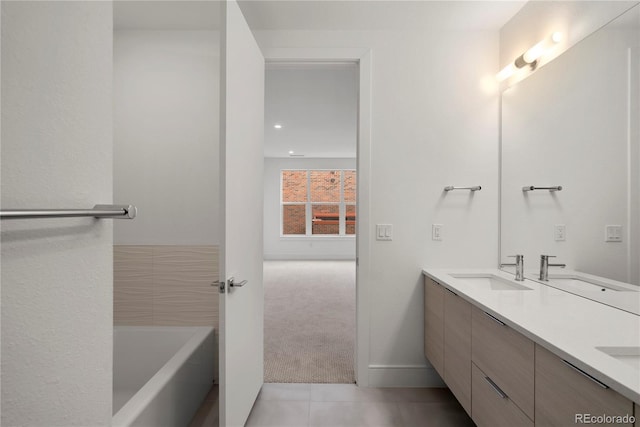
pixel 182 277
pixel 132 285
pixel 166 285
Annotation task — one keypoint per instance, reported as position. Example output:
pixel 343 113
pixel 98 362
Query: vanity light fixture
pixel 530 57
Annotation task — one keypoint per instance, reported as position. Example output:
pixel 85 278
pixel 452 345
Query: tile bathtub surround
pixel 335 405
pixel 165 285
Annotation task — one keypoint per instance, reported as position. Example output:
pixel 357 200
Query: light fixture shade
pixel 506 72
pixel 534 52
pixel 530 56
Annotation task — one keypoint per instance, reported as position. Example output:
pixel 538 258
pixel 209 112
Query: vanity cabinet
pixel 562 391
pixel 457 348
pixel 491 369
pixel 447 339
pixel 491 407
pixel 506 356
pixel 434 324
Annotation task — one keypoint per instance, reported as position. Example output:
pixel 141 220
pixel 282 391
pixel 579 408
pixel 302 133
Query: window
pixel 318 202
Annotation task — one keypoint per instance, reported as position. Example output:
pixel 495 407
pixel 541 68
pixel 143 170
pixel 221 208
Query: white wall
pixel 56 153
pixel 166 156
pixel 277 247
pixel 434 123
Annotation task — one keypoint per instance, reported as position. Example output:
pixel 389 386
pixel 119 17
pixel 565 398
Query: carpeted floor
pixel 309 321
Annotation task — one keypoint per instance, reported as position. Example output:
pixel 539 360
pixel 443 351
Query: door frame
pixel 363 166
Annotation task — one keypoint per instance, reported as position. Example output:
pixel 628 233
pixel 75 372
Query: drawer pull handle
pixel 495 388
pixel 495 319
pixel 584 374
pixel 451 291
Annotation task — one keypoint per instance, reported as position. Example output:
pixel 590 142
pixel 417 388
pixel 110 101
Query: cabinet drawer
pixel 434 324
pixel 457 348
pixel 562 392
pixel 492 409
pixel 506 356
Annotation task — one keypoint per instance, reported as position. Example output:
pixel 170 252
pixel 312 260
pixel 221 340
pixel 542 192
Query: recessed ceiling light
pixel 290 152
pixel 277 126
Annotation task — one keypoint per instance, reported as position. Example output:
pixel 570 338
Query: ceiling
pixel 318 14
pixel 317 107
pixel 378 14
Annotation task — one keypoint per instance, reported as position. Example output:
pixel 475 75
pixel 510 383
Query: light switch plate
pixel 613 233
pixel 384 232
pixel 436 231
pixel 559 232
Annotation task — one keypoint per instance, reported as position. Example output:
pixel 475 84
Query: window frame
pixel 342 207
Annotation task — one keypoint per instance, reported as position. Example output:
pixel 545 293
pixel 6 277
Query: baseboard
pixel 309 257
pixel 404 376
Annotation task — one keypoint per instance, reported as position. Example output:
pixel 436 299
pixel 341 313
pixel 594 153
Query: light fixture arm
pixel 520 62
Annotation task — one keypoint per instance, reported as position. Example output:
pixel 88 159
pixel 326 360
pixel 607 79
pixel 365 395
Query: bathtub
pixel 161 374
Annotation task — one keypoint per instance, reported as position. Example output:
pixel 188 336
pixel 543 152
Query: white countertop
pixel 568 325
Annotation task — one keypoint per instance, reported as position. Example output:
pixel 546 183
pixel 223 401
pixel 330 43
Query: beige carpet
pixel 309 321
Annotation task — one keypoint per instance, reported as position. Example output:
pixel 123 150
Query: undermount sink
pixel 578 284
pixel 628 355
pixel 490 282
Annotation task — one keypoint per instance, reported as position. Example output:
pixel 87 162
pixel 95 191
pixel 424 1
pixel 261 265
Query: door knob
pixel 232 283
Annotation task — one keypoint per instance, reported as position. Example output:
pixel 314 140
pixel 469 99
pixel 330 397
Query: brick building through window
pixel 318 202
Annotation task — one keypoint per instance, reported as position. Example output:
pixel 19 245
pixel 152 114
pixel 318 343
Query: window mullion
pixel 308 210
pixel 342 212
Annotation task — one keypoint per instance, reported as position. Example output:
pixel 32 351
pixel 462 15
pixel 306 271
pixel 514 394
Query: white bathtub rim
pixel 134 407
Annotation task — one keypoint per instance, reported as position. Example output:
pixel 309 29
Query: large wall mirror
pixel 574 123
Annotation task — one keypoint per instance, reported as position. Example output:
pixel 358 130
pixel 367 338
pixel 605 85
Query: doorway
pixel 310 214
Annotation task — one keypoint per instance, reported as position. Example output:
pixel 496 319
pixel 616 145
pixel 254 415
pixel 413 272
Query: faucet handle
pixel 515 256
pixel 547 256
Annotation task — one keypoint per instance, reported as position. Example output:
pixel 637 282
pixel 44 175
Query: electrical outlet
pixel 436 231
pixel 560 232
pixel 613 233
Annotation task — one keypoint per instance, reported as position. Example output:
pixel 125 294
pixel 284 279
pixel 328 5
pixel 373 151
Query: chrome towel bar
pixel 532 188
pixel 474 188
pixel 98 211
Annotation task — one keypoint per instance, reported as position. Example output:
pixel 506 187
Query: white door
pixel 242 131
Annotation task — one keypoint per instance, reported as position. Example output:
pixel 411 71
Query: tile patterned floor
pixel 344 405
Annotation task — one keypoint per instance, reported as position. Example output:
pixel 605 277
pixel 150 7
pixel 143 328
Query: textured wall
pixel 56 153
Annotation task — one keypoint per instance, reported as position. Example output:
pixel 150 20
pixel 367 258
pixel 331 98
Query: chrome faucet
pixel 519 266
pixel 544 266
